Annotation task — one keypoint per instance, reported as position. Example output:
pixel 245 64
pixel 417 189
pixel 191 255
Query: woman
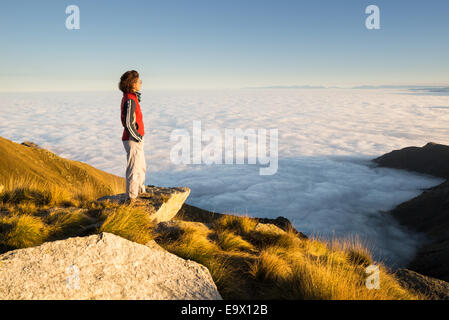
pixel 133 134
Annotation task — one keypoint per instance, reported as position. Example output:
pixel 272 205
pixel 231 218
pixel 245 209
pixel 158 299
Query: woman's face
pixel 137 84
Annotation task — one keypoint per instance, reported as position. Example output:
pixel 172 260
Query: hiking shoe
pixel 145 194
pixel 130 201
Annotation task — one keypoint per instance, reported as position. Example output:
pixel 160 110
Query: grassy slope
pixel 29 166
pixel 48 198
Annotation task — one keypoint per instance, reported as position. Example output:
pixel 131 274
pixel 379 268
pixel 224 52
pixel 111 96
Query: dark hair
pixel 127 81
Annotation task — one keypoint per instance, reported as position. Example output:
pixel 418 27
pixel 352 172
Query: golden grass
pixel 68 222
pixel 22 208
pixel 358 252
pixel 21 231
pixel 269 266
pixel 268 239
pixel 319 270
pixel 33 174
pixel 281 266
pixel 128 222
pixel 331 279
pixel 27 190
pixel 193 243
pixel 228 241
pixel 241 225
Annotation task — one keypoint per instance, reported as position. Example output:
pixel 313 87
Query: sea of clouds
pixel 325 183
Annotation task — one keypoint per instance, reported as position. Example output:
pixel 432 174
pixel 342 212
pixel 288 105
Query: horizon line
pixel 382 86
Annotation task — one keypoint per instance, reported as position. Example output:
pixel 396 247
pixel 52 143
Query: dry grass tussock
pixel 247 264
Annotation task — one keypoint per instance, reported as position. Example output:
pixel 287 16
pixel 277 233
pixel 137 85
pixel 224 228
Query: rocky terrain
pixel 429 212
pixel 102 266
pixel 434 289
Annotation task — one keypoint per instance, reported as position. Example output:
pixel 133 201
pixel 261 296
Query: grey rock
pixel 268 228
pixel 30 144
pixel 102 266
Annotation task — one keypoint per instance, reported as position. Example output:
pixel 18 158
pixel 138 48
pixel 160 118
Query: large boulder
pixel 162 204
pixel 102 266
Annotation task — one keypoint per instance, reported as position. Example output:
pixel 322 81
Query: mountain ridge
pixel 428 212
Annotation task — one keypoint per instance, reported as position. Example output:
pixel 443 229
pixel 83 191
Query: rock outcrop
pixel 192 213
pixel 102 266
pixel 268 228
pixel 431 159
pixel 30 144
pixel 434 289
pixel 162 204
pixel 429 212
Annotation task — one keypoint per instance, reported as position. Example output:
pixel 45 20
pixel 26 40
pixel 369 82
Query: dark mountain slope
pixel 429 212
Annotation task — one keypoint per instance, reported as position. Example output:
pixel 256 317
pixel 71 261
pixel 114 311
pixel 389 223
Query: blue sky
pixel 209 44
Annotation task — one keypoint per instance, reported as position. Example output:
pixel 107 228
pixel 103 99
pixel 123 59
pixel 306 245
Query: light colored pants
pixel 135 168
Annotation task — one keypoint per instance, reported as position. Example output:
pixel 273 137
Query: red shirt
pixel 131 117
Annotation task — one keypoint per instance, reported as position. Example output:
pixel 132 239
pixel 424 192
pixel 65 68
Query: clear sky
pixel 207 44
